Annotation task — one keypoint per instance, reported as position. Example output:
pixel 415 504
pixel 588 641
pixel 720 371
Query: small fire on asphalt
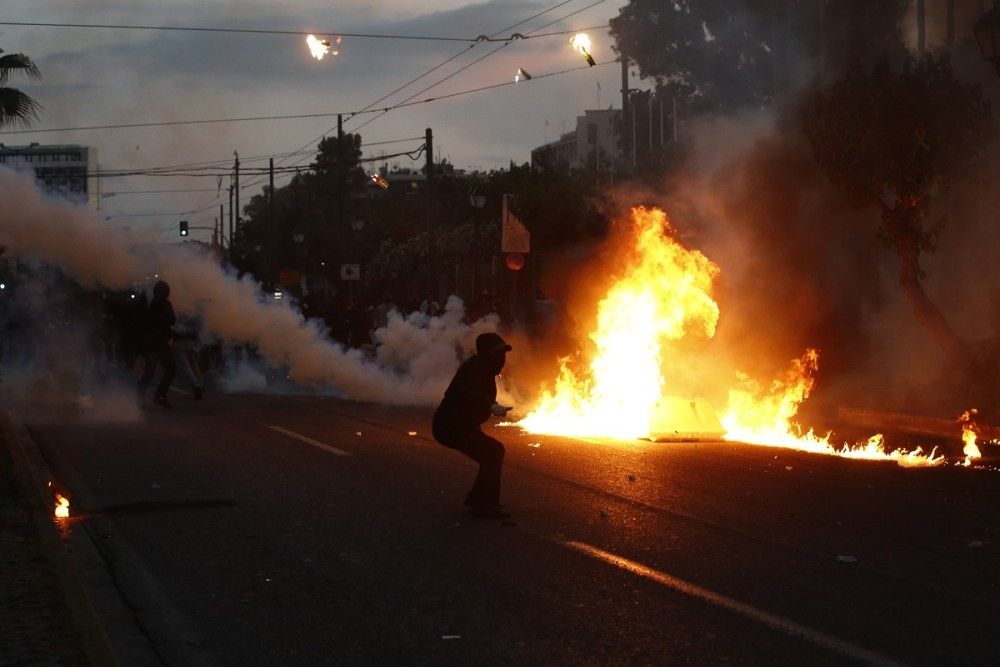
pixel 62 507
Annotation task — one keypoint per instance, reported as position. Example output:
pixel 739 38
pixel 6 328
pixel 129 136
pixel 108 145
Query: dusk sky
pixel 102 76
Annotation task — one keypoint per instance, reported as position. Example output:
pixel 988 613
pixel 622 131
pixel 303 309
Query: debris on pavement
pixel 411 433
pixel 631 478
pixel 847 559
pixel 975 544
pixel 451 636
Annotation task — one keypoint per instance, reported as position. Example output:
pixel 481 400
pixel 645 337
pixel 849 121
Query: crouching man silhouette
pixel 468 402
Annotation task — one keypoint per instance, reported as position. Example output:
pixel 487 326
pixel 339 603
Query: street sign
pixel 514 236
pixel 350 272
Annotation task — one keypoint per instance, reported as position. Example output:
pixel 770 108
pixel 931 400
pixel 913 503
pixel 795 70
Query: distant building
pixel 595 144
pixel 605 141
pixel 68 169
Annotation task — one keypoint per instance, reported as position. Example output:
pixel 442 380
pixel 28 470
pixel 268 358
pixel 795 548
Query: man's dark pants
pixel 484 450
pixel 155 354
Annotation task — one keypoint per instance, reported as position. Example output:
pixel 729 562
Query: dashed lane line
pixel 309 441
pixel 773 621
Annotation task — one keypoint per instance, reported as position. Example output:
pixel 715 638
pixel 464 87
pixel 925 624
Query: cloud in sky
pixel 97 77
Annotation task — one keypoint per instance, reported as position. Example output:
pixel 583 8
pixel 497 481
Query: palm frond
pixel 17 62
pixel 17 108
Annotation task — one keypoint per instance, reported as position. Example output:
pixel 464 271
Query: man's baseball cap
pixel 491 343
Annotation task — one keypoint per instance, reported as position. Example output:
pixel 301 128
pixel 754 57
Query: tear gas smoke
pixel 51 350
pixel 414 363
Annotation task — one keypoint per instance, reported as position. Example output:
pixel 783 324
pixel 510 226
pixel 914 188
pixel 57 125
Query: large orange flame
pixel 760 416
pixel 665 295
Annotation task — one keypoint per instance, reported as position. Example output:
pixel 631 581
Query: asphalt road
pixel 306 530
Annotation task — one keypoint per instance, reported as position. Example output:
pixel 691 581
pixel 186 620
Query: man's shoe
pixel 488 513
pixel 162 400
pixel 470 501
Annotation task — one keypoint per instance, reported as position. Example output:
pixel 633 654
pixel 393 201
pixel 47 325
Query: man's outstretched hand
pixel 500 410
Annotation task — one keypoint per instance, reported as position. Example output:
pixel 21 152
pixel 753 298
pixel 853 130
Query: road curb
pixel 33 475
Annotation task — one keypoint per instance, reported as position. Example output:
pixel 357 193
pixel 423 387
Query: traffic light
pixel 184 227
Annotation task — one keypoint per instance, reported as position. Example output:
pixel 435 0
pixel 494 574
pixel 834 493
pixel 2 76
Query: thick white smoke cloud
pixel 413 365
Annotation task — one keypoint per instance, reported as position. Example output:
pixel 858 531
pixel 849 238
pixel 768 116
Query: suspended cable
pixel 300 33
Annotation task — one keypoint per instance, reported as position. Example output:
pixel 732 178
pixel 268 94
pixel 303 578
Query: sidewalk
pixel 36 624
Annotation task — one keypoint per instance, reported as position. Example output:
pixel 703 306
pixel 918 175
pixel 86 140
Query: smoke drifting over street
pixel 414 363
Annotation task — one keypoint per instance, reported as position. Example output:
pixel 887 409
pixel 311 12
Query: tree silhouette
pixel 897 141
pixel 17 108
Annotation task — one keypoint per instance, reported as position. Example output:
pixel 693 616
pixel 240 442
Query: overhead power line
pixel 299 33
pixel 254 181
pixel 313 115
pixel 254 171
pixel 430 71
pixel 491 53
pixel 382 112
pixel 251 158
pixel 154 192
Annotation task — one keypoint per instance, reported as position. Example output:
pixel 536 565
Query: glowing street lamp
pixel 320 47
pixel 581 42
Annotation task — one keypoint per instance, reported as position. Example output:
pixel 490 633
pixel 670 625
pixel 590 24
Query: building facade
pixel 595 144
pixel 607 141
pixel 69 170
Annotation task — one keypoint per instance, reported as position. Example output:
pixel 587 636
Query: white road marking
pixel 781 624
pixel 309 441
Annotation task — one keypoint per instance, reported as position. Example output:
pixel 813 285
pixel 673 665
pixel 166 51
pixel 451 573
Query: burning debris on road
pixel 625 389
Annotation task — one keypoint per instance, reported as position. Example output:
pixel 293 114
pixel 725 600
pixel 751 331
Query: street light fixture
pixel 987 32
pixel 477 200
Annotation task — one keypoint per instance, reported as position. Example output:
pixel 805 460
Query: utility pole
pixel 661 122
pixel 340 230
pixel 675 119
pixel 230 221
pixel 951 23
pixel 626 140
pixel 237 191
pixel 650 122
pixel 271 222
pixel 222 226
pixel 431 231
pixel 921 28
pixel 635 135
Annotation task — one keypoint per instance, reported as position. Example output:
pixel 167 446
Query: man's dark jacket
pixel 159 320
pixel 467 401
